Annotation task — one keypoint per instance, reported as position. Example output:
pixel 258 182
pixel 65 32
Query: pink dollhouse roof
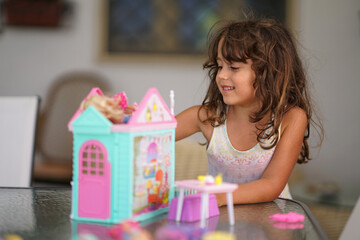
pixel 151 114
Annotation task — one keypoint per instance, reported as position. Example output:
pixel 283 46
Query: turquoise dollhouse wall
pixel 122 178
pixel 93 126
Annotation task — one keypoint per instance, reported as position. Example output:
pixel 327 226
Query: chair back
pixel 62 100
pixel 54 143
pixel 18 121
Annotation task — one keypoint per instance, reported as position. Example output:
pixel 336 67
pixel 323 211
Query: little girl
pixel 256 114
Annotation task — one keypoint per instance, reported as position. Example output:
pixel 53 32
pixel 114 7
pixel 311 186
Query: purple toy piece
pixel 191 208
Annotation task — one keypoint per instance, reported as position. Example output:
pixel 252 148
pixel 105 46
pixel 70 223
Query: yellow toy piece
pixel 149 184
pixel 154 107
pixel 218 179
pixel 12 237
pixel 219 235
pixel 201 178
pixel 148 115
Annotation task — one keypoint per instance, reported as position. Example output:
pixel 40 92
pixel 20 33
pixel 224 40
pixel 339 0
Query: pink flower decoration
pixel 123 99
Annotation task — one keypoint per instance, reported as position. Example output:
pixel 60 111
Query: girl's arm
pixel 188 123
pixel 280 167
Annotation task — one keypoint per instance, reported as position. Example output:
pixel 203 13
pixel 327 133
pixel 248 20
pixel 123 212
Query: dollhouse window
pixel 92 160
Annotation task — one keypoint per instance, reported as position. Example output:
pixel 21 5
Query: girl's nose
pixel 223 74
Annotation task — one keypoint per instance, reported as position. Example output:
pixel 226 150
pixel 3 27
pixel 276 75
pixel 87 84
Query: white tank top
pixel 238 166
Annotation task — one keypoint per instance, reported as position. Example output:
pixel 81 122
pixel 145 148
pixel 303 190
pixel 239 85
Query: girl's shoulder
pixel 294 117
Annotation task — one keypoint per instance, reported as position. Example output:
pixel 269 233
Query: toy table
pixel 205 190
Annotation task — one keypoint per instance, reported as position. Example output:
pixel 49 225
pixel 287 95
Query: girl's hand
pixel 221 199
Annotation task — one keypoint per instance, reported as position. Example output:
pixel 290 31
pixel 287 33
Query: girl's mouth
pixel 227 88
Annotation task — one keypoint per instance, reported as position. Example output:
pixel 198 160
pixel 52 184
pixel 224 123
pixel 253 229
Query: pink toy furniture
pixel 191 202
pixel 205 190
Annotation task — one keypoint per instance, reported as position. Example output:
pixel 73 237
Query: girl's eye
pixel 234 68
pixel 219 67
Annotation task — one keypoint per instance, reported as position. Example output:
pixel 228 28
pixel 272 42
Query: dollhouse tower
pixel 126 170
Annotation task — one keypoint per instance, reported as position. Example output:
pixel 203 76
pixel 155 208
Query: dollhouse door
pixel 94 181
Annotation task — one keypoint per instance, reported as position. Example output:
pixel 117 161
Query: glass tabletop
pixel 44 213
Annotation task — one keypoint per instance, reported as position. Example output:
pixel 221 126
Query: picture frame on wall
pixel 173 27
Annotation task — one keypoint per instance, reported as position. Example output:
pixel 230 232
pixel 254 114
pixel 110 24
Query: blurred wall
pixel 31 59
pixel 329 32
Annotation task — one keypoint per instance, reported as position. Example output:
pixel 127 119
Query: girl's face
pixel 235 81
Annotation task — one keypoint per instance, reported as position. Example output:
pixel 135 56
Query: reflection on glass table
pixel 328 193
pixel 44 213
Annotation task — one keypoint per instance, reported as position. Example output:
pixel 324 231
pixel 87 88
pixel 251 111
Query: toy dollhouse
pixel 123 171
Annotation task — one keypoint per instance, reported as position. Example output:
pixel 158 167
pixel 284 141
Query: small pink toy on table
pixel 205 190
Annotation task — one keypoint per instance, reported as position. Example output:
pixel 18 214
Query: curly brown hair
pixel 280 82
